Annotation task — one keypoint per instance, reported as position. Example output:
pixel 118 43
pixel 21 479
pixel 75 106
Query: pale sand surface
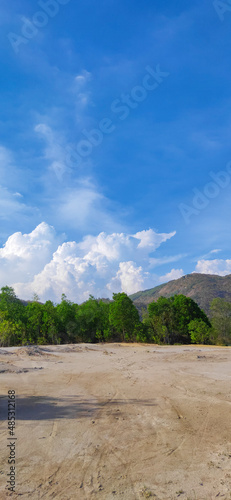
pixel 118 422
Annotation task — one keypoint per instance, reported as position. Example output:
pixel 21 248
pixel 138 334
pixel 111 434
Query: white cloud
pixel 217 266
pixel 173 275
pixel 152 240
pixel 97 265
pixel 25 255
pixel 117 246
pixel 129 278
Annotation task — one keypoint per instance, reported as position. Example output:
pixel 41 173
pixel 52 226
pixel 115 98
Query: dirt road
pixel 117 422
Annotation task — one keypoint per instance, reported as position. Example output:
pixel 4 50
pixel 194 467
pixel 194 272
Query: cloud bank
pixel 99 265
pixel 41 262
pixel 221 267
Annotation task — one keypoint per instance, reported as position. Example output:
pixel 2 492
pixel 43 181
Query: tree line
pixel 174 320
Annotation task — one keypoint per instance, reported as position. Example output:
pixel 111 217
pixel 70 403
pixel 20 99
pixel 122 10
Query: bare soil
pixel 117 421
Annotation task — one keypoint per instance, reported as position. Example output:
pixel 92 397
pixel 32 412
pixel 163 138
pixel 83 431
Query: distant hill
pixel 202 288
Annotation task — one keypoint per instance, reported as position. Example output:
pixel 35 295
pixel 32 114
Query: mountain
pixel 202 288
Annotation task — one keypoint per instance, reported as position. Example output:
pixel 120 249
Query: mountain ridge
pixel 202 288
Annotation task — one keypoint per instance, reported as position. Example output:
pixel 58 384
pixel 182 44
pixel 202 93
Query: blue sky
pixel 113 117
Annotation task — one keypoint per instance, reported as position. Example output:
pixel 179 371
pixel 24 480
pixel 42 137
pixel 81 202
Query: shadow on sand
pixel 50 408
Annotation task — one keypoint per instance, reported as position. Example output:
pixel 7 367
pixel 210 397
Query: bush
pixel 199 332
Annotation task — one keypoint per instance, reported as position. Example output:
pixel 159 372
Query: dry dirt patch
pixel 118 421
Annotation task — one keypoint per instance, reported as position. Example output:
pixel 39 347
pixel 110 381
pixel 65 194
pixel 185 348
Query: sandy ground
pixel 118 422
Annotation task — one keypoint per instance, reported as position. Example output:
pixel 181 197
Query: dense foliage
pixel 177 319
pixel 168 319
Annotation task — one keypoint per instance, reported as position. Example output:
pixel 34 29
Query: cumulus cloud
pixel 220 267
pixel 129 278
pixel 25 255
pixel 97 265
pixel 173 275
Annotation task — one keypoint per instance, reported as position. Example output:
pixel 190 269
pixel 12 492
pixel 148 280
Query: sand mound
pixel 33 351
pixel 9 368
pixel 68 349
pixel 5 353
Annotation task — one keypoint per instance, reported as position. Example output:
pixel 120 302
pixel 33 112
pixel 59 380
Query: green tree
pixel 157 331
pixel 185 311
pixel 9 304
pixel 93 320
pixel 34 332
pixel 141 333
pixel 123 317
pixel 11 333
pixel 199 332
pixel 161 315
pixel 221 320
pixel 66 319
pixel 50 330
pixel 168 319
